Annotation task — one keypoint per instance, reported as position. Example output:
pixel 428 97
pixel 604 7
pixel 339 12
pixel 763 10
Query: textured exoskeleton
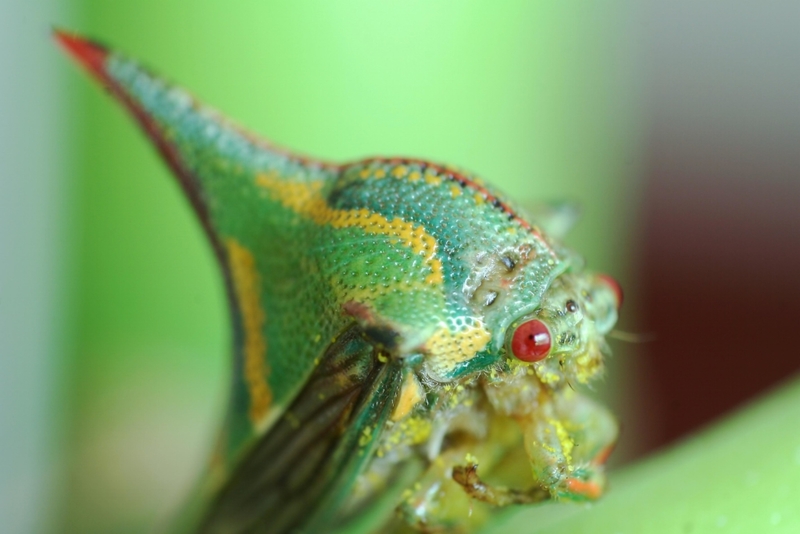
pixel 400 328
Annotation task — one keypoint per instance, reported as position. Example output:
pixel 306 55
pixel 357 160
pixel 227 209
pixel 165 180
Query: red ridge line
pixel 457 177
pixel 92 56
pixel 464 181
pixel 88 54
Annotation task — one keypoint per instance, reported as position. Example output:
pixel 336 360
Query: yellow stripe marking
pixel 305 199
pixel 411 394
pixel 247 287
pixel 447 348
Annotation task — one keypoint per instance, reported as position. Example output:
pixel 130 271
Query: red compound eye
pixel 614 285
pixel 531 341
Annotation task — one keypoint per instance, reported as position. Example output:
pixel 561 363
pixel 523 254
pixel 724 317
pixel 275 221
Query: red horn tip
pixel 89 54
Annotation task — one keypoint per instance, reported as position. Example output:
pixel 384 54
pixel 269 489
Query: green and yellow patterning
pixel 396 324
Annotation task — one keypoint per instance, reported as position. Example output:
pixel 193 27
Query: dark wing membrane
pixel 299 474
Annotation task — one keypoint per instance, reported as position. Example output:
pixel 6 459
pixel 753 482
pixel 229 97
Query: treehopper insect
pixel 401 330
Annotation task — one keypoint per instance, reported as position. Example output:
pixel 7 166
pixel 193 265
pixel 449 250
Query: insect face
pixel 566 335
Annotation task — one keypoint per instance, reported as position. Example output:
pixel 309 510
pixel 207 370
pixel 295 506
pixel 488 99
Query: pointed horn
pixel 88 54
pixel 250 196
pixel 145 97
pixel 197 143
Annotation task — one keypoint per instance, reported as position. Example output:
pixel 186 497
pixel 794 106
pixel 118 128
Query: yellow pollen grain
pixel 247 286
pixel 566 441
pixel 547 376
pixel 455 191
pixel 366 437
pixel 364 172
pixel 414 176
pixel 479 200
pixel 380 173
pixel 408 432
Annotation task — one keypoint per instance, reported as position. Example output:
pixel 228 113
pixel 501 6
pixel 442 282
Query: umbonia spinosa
pixel 399 327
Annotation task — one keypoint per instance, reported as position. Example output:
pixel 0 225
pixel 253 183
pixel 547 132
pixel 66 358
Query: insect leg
pixel 467 476
pixel 567 442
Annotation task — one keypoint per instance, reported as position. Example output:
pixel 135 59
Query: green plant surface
pixel 742 475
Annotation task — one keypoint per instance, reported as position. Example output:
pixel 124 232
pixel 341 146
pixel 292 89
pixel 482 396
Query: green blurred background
pixel 674 124
pixel 114 412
